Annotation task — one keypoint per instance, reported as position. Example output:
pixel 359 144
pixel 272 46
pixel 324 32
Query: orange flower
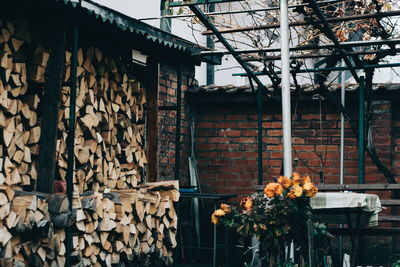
pixel 296 178
pixel 306 179
pixel 246 203
pixel 278 190
pixel 273 189
pixel 310 189
pixel 295 191
pixel 214 219
pixel 284 181
pixel 216 214
pixel 226 208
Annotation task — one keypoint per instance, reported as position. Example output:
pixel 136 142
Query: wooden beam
pixel 55 69
pixel 151 86
pixel 366 231
pixel 358 187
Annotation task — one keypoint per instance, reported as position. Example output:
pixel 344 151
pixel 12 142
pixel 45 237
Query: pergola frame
pixel 341 49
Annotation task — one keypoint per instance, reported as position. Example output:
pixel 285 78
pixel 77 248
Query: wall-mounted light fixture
pixel 139 58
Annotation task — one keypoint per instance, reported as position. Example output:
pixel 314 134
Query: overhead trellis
pixel 252 28
pixel 326 38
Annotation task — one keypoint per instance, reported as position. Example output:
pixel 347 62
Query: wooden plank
pixel 51 97
pixel 390 202
pixel 152 87
pixel 357 187
pixel 375 231
pixel 385 218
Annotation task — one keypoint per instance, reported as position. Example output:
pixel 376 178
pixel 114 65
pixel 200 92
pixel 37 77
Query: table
pixel 336 207
pixel 353 209
pixel 217 198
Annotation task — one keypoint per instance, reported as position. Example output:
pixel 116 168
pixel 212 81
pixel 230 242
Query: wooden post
pixel 151 85
pixel 50 107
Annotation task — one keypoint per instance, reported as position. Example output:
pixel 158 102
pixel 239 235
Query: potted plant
pixel 276 217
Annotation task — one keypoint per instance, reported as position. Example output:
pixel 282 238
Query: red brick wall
pixel 226 144
pixel 167 123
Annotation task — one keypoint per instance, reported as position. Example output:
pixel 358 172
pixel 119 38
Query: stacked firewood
pixel 114 218
pixel 109 137
pixel 19 124
pixel 27 234
pixel 131 225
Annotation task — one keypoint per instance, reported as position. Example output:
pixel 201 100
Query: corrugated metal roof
pixel 128 24
pixel 307 88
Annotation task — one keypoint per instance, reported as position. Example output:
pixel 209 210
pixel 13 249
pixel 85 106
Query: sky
pixel 135 8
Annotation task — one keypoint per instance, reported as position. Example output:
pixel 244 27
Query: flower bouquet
pixel 276 217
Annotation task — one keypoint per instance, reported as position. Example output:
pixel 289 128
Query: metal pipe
pixel 374 66
pixel 215 240
pixel 71 137
pixel 305 22
pixel 165 23
pixel 305 56
pixel 361 132
pixel 260 135
pixel 306 47
pixel 178 122
pixel 198 2
pixel 286 108
pixel 210 45
pixel 343 99
pixel 237 11
pixel 341 178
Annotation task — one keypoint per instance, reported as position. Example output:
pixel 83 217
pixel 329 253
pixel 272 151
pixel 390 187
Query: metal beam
pixel 374 66
pixel 260 90
pixel 236 11
pixel 199 2
pixel 178 122
pixel 305 22
pixel 71 137
pixel 304 56
pixel 205 20
pixel 331 35
pixel 390 42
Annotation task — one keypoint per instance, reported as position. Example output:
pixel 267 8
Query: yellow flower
pixel 284 181
pixel 310 189
pixel 273 189
pixel 246 203
pixel 295 192
pixel 296 178
pixel 217 213
pixel 226 208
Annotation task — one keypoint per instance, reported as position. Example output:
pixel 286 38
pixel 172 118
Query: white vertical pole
pixel 341 178
pixel 286 111
pixel 343 99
